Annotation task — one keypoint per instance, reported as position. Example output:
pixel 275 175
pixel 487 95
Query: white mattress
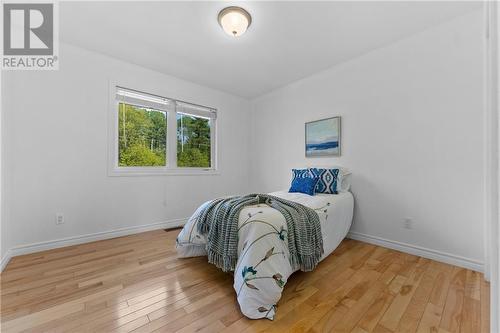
pixel 337 225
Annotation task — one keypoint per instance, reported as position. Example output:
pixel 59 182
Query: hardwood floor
pixel 135 283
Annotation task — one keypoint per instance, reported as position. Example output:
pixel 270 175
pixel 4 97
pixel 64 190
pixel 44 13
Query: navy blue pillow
pixel 304 185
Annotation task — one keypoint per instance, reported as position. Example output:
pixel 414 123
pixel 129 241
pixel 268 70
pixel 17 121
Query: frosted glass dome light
pixel 234 20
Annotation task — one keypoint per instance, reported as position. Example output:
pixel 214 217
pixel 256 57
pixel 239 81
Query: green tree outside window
pixel 142 138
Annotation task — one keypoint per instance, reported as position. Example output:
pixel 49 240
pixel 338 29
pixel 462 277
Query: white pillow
pixel 344 182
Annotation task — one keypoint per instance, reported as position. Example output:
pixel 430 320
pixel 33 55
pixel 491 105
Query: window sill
pixel 135 172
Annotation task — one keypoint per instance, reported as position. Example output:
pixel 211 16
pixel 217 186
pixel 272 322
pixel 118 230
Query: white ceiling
pixel 286 41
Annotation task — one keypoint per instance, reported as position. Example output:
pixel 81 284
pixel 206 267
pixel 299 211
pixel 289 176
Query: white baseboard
pixel 419 251
pixel 53 244
pixel 5 260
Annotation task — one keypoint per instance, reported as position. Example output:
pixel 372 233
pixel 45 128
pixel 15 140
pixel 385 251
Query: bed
pixel 263 267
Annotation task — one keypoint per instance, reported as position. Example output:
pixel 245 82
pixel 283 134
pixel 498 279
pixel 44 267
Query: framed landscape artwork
pixel 323 137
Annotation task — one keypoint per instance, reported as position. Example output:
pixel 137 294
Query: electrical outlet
pixel 59 218
pixel 408 223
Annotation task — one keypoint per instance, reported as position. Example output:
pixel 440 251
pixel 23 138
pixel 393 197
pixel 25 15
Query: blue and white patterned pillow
pixel 301 173
pixel 327 182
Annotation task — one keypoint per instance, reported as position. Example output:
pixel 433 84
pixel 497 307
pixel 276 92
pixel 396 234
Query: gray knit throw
pixel 219 219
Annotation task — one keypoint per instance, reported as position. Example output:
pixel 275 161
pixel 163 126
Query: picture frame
pixel 323 137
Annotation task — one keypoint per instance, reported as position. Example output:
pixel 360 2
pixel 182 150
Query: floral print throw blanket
pixel 263 264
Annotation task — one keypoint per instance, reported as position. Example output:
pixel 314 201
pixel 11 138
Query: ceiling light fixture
pixel 234 20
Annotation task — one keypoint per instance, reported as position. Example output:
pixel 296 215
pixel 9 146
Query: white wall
pixel 3 229
pixel 412 134
pixel 412 126
pixel 56 149
pixel 493 10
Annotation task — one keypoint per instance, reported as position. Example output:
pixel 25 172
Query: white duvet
pixel 263 267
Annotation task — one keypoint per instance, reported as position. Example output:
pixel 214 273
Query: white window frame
pixel 171 168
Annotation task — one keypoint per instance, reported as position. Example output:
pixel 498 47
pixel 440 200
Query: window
pixel 154 134
pixel 142 136
pixel 194 144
